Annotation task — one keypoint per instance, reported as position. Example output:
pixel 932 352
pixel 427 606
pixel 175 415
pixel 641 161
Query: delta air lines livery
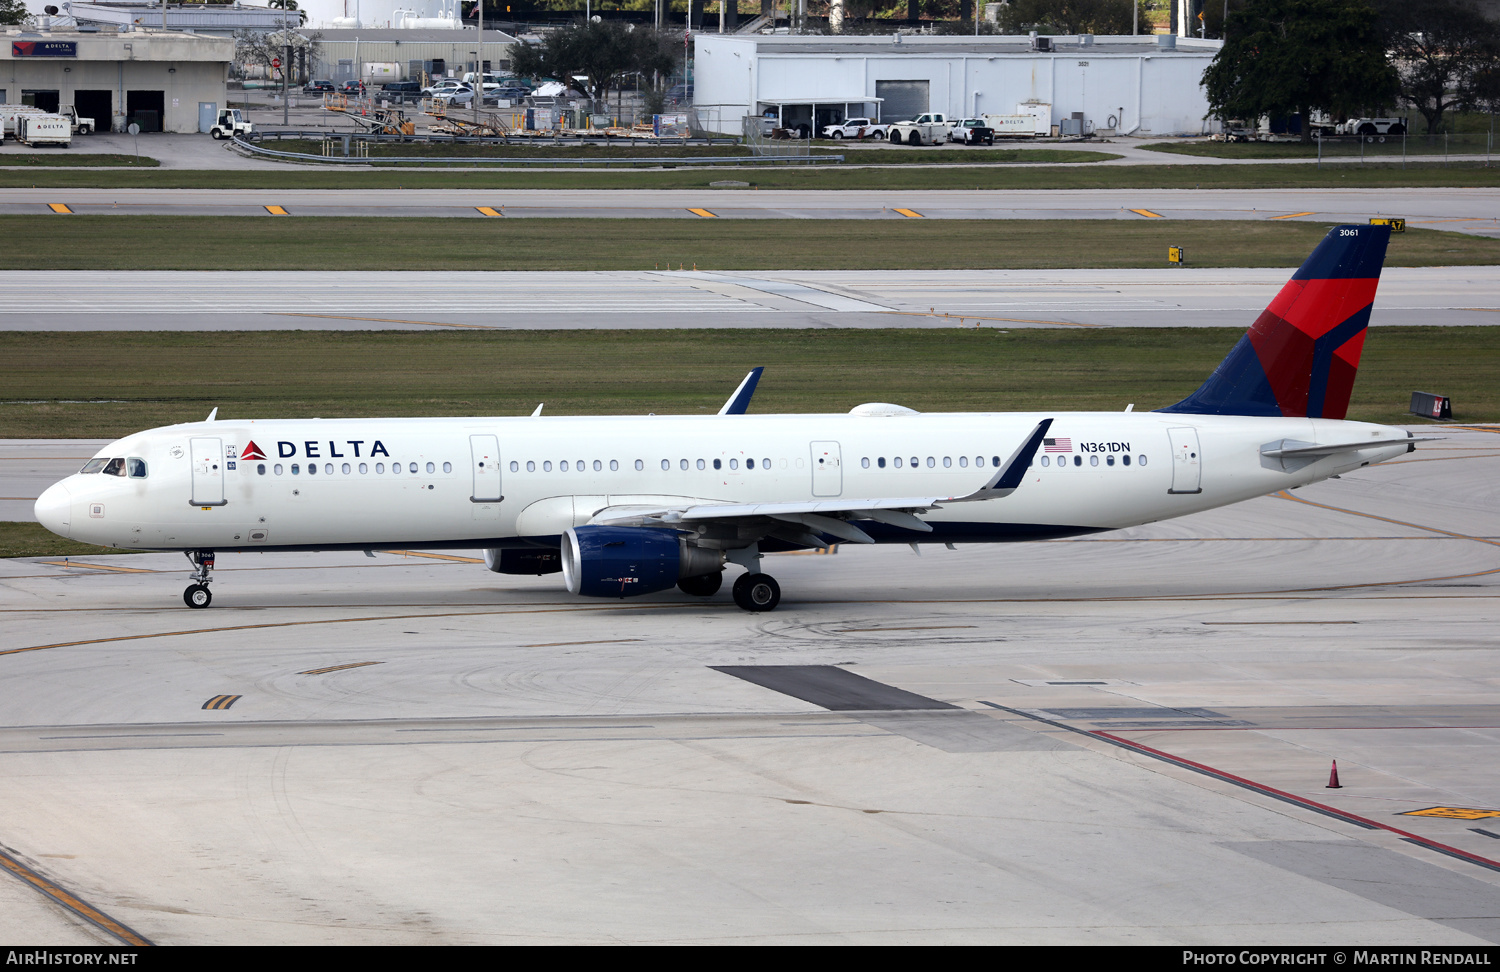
pixel 624 506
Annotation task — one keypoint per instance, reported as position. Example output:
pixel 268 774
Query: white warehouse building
pixel 1146 84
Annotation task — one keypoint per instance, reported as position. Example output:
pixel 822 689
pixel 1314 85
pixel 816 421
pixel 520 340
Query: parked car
pixel 972 131
pixel 354 87
pixel 443 88
pixel 401 89
pixel 856 128
pixel 312 87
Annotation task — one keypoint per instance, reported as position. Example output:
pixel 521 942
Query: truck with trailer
pixel 932 127
pixel 37 128
pixel 77 125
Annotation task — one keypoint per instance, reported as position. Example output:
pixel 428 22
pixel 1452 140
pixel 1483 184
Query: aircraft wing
pixel 802 520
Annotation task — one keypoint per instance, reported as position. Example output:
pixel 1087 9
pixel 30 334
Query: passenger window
pixel 865 463
pixel 914 462
pixel 578 465
pixel 563 466
pixel 718 464
pixel 1125 460
pixel 947 462
pixel 515 466
pixel 93 466
pixel 431 468
pixel 613 465
pixel 395 469
pixel 346 469
pixel 276 469
pixel 683 464
pixel 897 462
pixel 734 464
pixel 328 468
pixel 995 461
pixel 547 465
pixel 598 466
pixel 1109 460
pixel 1046 461
pixel 261 469
pixel 447 467
pixel 1093 460
pixel 1140 460
pixel 136 468
pixel 978 461
pixel 666 464
pixel 363 469
pixel 312 468
pixel 963 462
pixel 412 467
pixel 1078 460
pixel 765 464
pixel 531 465
pixel 700 463
pixel 639 465
pixel 750 463
pixel 296 469
pixel 931 462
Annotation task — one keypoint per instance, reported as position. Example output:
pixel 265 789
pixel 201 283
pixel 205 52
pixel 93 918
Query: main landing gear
pixel 197 594
pixel 757 592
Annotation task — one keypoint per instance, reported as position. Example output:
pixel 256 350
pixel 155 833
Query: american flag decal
pixel 1057 445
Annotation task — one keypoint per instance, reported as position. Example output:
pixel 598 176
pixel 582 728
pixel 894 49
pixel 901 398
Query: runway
pixel 1475 211
pixel 1118 739
pixel 314 300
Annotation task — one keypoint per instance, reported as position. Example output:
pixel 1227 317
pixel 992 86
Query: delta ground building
pixel 1127 85
pixel 161 80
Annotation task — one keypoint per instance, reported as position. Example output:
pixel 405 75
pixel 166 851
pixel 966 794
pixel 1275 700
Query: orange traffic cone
pixel 1333 778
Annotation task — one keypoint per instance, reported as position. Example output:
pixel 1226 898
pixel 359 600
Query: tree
pixel 1070 17
pixel 603 53
pixel 1444 51
pixel 13 13
pixel 1282 56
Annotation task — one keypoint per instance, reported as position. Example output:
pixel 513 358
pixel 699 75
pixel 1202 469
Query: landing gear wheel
pixel 703 585
pixel 757 592
pixel 197 596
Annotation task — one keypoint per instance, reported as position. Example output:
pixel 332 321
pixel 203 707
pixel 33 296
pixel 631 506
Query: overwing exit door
pixel 207 455
pixel 827 469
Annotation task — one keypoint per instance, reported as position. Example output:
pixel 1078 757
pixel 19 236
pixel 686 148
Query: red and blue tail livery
pixel 1300 356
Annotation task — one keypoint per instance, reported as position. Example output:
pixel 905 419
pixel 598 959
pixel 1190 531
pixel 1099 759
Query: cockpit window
pixel 93 466
pixel 135 468
pixel 115 467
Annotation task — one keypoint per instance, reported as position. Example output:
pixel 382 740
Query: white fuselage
pixel 487 482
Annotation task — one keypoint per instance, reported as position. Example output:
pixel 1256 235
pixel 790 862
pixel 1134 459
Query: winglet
pixel 739 402
pixel 1014 470
pixel 212 414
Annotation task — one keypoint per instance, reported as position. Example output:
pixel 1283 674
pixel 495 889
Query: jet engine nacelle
pixel 541 560
pixel 606 561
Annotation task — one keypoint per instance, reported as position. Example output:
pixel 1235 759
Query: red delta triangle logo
pixel 252 451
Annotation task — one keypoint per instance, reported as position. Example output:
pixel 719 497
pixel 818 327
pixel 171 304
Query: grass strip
pixel 143 380
pixel 1352 175
pixel 53 159
pixel 22 539
pixel 353 243
pixel 1459 146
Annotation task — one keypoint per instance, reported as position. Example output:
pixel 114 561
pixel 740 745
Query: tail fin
pixel 1300 355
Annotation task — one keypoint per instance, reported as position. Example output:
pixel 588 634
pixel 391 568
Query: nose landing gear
pixel 197 594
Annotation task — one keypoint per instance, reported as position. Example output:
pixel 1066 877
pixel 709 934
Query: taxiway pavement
pixel 1128 741
pixel 314 300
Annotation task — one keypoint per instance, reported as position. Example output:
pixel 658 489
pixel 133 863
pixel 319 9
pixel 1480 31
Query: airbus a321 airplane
pixel 625 506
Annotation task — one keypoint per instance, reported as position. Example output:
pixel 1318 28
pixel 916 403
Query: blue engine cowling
pixel 606 561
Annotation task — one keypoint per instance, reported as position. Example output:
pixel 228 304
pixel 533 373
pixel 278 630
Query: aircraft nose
pixel 54 509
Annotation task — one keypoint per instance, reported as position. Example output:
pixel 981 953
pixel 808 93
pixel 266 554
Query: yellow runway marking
pixel 488 211
pixel 390 320
pixel 222 701
pixel 59 207
pixel 433 556
pixel 276 210
pixel 1456 813
pixel 338 668
pixel 71 902
pixel 79 563
pixel 1148 214
pixel 1293 215
pixel 17 497
pixel 911 214
pixel 704 213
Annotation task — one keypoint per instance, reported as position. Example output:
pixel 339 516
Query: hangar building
pixel 1133 85
pixel 161 80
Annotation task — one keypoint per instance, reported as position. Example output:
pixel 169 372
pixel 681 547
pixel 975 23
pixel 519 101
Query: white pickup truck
pixel 932 127
pixel 856 128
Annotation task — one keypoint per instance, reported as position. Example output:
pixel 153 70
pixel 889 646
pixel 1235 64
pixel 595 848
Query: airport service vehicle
pixel 972 131
pixel 1373 128
pixel 933 127
pixel 631 505
pixel 43 129
pixel 1020 126
pixel 856 128
pixel 229 124
pixel 9 114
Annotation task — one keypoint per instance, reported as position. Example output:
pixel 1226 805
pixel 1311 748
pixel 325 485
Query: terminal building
pixel 161 80
pixel 1128 85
